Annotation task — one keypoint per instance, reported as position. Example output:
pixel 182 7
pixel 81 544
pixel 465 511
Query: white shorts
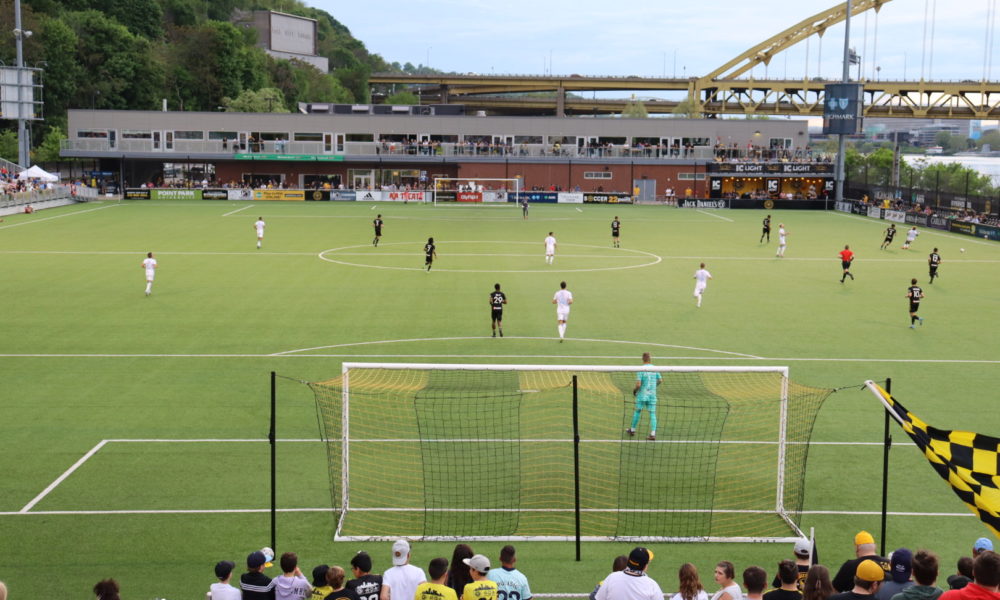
pixel 699 288
pixel 260 233
pixel 562 315
pixel 150 274
pixel 550 252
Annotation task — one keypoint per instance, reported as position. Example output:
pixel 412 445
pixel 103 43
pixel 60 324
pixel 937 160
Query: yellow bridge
pixel 722 91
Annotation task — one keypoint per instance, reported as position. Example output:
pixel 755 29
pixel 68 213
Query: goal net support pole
pixel 543 452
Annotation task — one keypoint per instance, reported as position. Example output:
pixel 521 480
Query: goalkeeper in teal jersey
pixel 646 383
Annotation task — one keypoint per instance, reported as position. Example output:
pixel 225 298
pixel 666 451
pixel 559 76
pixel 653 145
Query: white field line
pixel 233 212
pixel 79 212
pixel 376 253
pixel 27 507
pixel 579 210
pixel 716 216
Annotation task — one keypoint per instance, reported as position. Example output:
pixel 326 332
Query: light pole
pixel 839 192
pixel 23 145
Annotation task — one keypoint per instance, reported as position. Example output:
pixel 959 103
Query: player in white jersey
pixel 911 236
pixel 150 265
pixel 259 226
pixel 550 249
pixel 701 277
pixel 562 300
pixel 781 240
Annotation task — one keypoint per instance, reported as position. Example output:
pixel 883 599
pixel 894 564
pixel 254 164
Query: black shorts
pixel 496 314
pixel 846 264
pixel 378 231
pixel 887 240
pixel 933 269
pixel 429 259
pixel 615 234
pixel 766 230
pixel 914 306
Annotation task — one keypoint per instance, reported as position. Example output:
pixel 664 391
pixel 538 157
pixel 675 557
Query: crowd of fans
pixel 904 575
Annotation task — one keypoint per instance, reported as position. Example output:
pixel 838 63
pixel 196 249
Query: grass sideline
pixel 86 357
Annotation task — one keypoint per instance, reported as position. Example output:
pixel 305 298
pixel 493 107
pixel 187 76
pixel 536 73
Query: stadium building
pixel 372 147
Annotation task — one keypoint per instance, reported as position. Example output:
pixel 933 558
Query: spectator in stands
pixel 981 545
pixel 437 588
pixel 632 583
pixel 805 556
pixel 459 576
pixel 868 577
pixel 481 587
pixel 320 588
pixel 925 571
pixel 788 577
pixel 107 589
pixel 864 549
pixel 221 590
pixel 254 583
pixel 901 568
pixel 817 585
pixel 509 580
pixel 616 565
pixel 985 579
pixel 364 584
pixel 725 572
pixel 754 580
pixel 335 579
pixel 964 576
pixel 291 584
pixel 690 587
pixel 400 582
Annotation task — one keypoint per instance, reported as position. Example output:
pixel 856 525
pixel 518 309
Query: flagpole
pixel 886 443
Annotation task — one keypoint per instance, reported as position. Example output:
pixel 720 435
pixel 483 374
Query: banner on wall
pixel 282 195
pixel 570 198
pixel 214 194
pixel 170 194
pixel 534 197
pixel 874 211
pixel 896 216
pixel 137 194
pixel 343 195
pixel 469 197
pixel 240 194
pixel 598 198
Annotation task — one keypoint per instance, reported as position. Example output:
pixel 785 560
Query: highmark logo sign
pixel 842 108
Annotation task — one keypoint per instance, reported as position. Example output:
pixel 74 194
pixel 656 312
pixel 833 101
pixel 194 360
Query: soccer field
pixel 133 427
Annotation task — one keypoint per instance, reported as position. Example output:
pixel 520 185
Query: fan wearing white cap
pixel 400 582
pixel 481 587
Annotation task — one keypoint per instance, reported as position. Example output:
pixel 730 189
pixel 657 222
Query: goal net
pixel 502 452
pixel 475 190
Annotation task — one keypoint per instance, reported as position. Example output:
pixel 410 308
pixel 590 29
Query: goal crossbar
pixel 372 420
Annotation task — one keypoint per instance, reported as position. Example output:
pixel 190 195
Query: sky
pixel 668 38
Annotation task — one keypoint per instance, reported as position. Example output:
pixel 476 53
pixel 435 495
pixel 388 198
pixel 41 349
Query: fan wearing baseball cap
pixel 864 549
pixel 868 577
pixel 985 579
pixel 481 587
pixel 402 579
pixel 631 583
pixel 900 574
pixel 981 545
pixel 221 590
pixel 925 572
pixel 254 583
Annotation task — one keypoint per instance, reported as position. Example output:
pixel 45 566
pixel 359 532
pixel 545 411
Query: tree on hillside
pixel 302 82
pixel 264 100
pixel 991 137
pixel 403 97
pixel 686 109
pixel 634 109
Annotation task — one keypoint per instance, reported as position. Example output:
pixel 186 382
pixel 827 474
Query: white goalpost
pixel 476 190
pixel 542 452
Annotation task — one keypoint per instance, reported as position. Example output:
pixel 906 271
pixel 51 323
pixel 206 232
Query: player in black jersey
pixel 914 293
pixel 933 260
pixel 429 250
pixel 364 584
pixel 766 232
pixel 497 300
pixel 890 233
pixel 616 230
pixel 377 223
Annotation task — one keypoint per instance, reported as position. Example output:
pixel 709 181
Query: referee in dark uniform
pixel 914 293
pixel 766 232
pixel 497 300
pixel 933 260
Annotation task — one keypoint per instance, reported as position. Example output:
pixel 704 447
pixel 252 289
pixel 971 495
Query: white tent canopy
pixel 37 172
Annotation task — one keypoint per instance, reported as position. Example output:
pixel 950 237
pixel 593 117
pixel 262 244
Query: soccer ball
pixel 961 249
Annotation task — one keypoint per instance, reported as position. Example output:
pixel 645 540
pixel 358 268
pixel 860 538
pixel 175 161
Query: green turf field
pixel 163 400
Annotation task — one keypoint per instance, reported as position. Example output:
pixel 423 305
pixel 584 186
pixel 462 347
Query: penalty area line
pixel 78 212
pixel 233 212
pixel 716 216
pixel 27 507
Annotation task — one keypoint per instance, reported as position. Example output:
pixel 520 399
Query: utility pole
pixel 846 77
pixel 23 144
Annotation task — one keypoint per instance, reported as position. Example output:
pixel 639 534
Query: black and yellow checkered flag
pixel 968 461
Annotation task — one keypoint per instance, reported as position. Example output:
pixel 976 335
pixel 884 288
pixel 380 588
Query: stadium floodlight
pixel 498 452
